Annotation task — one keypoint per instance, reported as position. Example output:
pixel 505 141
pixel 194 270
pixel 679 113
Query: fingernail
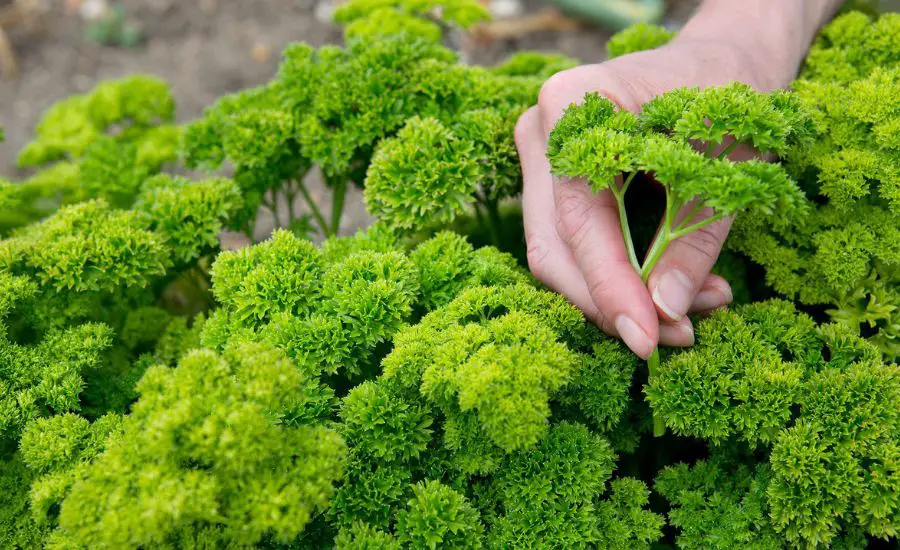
pixel 712 299
pixel 633 336
pixel 673 294
pixel 678 334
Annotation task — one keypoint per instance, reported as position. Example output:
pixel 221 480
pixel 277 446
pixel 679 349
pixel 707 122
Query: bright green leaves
pixel 595 142
pixel 737 382
pixel 819 398
pixel 220 461
pixel 383 425
pixel 506 383
pixel 56 450
pixel 637 38
pixel 420 18
pixel 837 249
pixel 281 274
pixel 538 64
pixel 70 126
pixel 438 517
pixel 327 310
pixel 47 377
pixel 747 116
pixel 608 148
pixel 719 504
pixel 188 215
pixel 86 247
pixel 570 465
pixel 851 46
pixel 491 360
pixel 625 523
pixel 372 293
pixel 425 174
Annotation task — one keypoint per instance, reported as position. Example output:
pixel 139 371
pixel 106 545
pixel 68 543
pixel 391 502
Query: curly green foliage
pixel 425 174
pixel 189 215
pixel 600 387
pixel 719 504
pixel 547 492
pixel 372 491
pixel 99 145
pixel 609 148
pixel 129 106
pixel 57 450
pixel 225 468
pixel 418 17
pixel 550 496
pixel 448 264
pixel 625 523
pixel 596 142
pixel 383 425
pixel 843 252
pixel 818 397
pixel 534 64
pixel 47 377
pixel 491 361
pixel 361 536
pixel 18 529
pixel 437 516
pixel 327 312
pixel 86 247
pixel 851 46
pixel 636 38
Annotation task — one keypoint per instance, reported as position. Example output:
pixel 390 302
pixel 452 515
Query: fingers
pixel 549 259
pixel 680 277
pixel 714 294
pixel 588 224
pixel 569 86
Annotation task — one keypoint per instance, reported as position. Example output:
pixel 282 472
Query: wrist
pixel 769 38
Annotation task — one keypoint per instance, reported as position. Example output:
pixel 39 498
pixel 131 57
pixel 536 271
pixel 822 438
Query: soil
pixel 206 48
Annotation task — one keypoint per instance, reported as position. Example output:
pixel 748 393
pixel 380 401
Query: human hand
pixel 575 244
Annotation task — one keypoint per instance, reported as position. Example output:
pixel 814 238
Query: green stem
pixel 682 231
pixel 314 208
pixel 493 221
pixel 659 427
pixel 623 222
pixel 727 151
pixel 339 193
pixel 290 191
pixel 662 241
pixel 687 219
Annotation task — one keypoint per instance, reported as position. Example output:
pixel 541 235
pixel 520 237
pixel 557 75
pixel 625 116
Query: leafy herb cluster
pixel 404 388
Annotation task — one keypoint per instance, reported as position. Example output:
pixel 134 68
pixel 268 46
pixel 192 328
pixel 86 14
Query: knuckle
pixel 706 243
pixel 554 87
pixel 606 279
pixel 537 252
pixel 572 215
pixel 524 129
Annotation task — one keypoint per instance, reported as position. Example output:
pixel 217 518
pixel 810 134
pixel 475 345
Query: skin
pixel 575 245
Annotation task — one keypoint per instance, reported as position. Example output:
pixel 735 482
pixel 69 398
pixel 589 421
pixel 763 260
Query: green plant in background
pixel 364 121
pixel 102 144
pixel 402 388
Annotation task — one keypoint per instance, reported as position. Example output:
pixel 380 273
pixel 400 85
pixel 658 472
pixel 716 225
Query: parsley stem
pixel 317 214
pixel 682 231
pixel 339 193
pixel 623 221
pixel 727 151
